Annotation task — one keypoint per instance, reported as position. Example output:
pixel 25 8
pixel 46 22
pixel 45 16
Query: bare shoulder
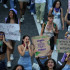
pixel 19 46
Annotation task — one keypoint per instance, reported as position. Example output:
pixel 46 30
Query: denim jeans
pixel 12 3
pixel 50 3
pixel 32 8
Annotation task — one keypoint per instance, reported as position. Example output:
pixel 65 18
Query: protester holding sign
pixel 3 48
pixel 25 51
pixel 12 19
pixel 49 29
pixel 57 11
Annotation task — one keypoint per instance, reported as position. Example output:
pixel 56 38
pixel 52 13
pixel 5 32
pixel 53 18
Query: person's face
pixel 11 14
pixel 26 39
pixel 50 64
pixel 19 68
pixel 50 19
pixel 57 4
pixel 1 36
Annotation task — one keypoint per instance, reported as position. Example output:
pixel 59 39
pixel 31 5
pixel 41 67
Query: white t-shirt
pixel 40 1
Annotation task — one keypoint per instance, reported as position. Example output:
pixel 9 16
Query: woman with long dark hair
pixel 49 64
pixel 57 11
pixel 12 19
pixel 25 50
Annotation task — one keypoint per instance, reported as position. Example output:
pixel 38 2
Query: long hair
pixel 17 66
pixel 14 17
pixel 54 4
pixel 24 38
pixel 46 63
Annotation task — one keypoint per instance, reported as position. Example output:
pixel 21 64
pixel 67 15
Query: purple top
pixel 57 9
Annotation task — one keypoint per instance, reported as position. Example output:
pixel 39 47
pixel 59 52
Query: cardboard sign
pixel 42 44
pixel 63 45
pixel 69 5
pixel 11 31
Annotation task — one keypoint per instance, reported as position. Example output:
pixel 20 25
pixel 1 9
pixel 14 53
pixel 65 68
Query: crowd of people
pixel 52 26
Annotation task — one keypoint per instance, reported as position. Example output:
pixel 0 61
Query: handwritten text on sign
pixel 63 45
pixel 11 31
pixel 41 44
